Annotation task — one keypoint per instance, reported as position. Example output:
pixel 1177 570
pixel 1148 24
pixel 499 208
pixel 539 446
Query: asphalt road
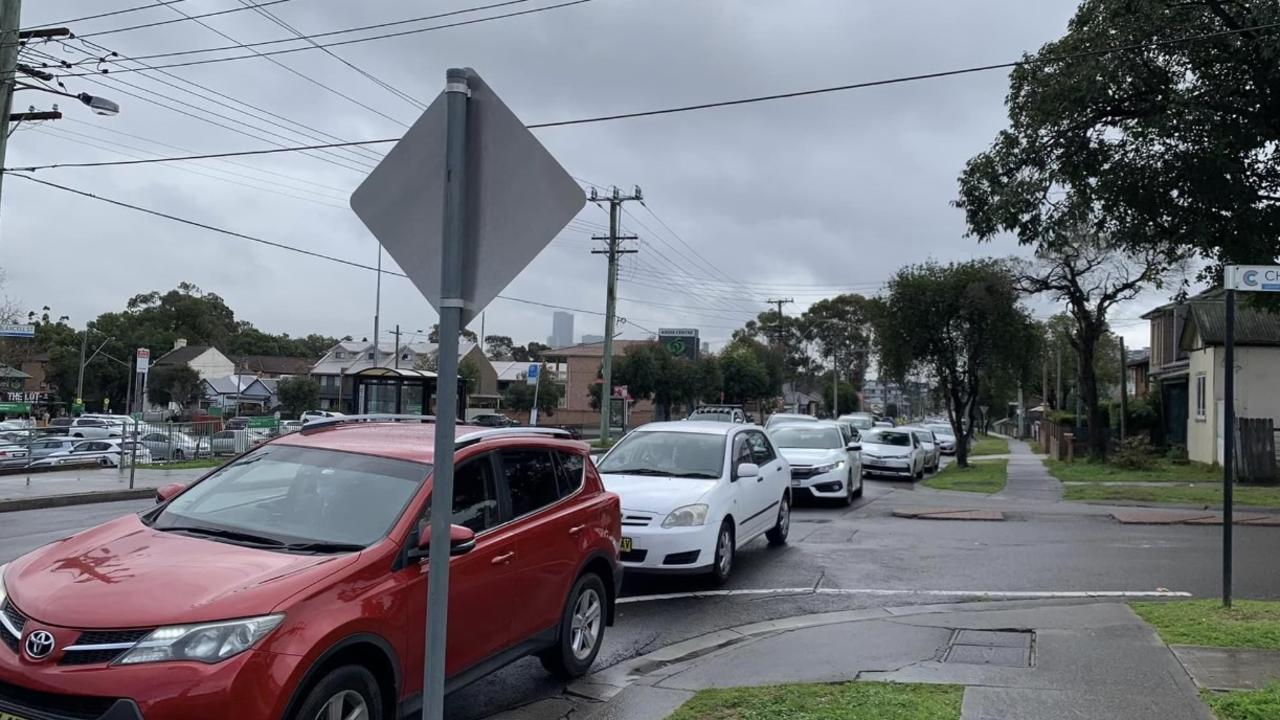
pixel 1042 547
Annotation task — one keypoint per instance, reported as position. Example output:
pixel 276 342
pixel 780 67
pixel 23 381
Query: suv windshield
pixel 670 454
pixel 889 437
pixel 813 438
pixel 284 494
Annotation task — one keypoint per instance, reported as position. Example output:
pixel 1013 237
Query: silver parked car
pixel 171 445
pixel 930 445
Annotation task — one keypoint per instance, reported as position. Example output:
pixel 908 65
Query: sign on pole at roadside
pixel 17 331
pixel 144 360
pixel 1252 278
pixel 531 376
pixel 463 203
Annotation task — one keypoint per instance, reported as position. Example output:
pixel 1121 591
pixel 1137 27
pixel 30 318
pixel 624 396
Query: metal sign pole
pixel 451 304
pixel 537 382
pixel 1228 446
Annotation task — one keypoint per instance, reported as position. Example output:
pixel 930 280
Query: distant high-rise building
pixel 561 329
pixel 587 339
pixel 706 348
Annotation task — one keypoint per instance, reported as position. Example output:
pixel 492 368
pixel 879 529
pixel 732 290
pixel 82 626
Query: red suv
pixel 291 583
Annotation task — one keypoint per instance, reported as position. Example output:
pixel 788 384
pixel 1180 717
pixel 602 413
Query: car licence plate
pixel 7 716
pixel 625 547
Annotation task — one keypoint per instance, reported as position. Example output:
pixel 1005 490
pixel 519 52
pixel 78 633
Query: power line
pixel 270 243
pixel 730 103
pixel 105 14
pixel 178 20
pixel 402 33
pixel 294 71
pixel 371 77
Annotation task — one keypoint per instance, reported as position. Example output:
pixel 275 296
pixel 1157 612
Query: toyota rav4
pixel 291 582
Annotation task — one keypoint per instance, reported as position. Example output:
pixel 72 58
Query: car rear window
pixel 889 437
pixel 532 480
pixel 810 437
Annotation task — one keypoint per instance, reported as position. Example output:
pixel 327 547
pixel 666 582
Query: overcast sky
pixel 799 198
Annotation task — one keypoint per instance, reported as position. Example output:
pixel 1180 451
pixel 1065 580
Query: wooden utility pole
pixel 611 300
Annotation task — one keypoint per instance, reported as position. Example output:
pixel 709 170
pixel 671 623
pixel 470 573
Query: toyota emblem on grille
pixel 39 644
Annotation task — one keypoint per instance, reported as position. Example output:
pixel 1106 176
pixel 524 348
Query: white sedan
pixel 107 453
pixel 822 462
pixel 693 493
pixel 892 451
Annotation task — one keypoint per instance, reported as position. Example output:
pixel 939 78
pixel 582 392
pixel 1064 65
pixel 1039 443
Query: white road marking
pixel 997 594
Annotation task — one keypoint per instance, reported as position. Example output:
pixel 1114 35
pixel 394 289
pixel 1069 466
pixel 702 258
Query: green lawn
pixel 848 701
pixel 185 464
pixel 1246 705
pixel 1203 493
pixel 990 445
pixel 1162 471
pixel 986 476
pixel 1253 624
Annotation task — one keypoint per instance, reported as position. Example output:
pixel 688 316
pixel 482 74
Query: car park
pixel 776 418
pixel 94 428
pixel 107 452
pixel 694 493
pixel 946 437
pixel 929 447
pixel 47 446
pixel 291 583
pixel 824 461
pixel 893 452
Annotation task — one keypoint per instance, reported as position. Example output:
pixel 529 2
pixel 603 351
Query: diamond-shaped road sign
pixel 518 199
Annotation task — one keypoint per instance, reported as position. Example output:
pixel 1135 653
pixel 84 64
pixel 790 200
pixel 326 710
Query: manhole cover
pixel 1005 648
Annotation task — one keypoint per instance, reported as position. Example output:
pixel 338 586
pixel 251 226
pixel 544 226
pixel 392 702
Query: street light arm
pixel 99 105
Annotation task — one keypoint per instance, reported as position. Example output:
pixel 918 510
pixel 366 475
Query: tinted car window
pixel 531 479
pixel 475 495
pixel 571 466
pixel 761 451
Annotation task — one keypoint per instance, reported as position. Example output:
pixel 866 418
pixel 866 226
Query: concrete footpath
pixel 84 486
pixel 1017 661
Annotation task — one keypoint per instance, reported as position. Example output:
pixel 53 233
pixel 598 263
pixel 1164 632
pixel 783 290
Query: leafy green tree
pixel 519 396
pixel 1171 148
pixel 469 371
pixel 841 328
pixel 958 323
pixel 528 353
pixel 499 347
pixel 176 384
pixel 434 335
pixel 297 395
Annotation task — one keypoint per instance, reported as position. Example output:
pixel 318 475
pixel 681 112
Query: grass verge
pixel 1253 624
pixel 184 465
pixel 985 476
pixel 990 445
pixel 1191 494
pixel 847 701
pixel 1246 704
pixel 1162 471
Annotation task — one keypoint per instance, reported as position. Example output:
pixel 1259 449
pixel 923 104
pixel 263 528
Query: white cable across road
pixel 995 594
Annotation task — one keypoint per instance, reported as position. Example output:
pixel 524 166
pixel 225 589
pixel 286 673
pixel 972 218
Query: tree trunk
pixel 1089 395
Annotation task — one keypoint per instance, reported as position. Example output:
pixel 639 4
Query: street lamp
pixel 96 103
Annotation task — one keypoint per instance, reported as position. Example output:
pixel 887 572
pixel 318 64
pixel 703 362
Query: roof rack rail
pixel 330 422
pixel 492 433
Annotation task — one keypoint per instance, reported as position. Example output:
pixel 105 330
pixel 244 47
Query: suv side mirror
pixel 746 470
pixel 854 446
pixel 462 540
pixel 165 493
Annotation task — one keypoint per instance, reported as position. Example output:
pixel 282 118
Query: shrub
pixel 1177 454
pixel 1134 454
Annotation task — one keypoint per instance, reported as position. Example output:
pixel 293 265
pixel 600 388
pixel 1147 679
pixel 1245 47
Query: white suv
pixel 694 492
pixel 95 428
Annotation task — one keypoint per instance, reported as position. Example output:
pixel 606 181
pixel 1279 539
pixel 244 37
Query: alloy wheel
pixel 724 548
pixel 584 631
pixel 784 517
pixel 346 705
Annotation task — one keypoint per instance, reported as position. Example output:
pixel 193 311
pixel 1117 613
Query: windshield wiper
pixel 706 476
pixel 323 547
pixel 661 473
pixel 224 534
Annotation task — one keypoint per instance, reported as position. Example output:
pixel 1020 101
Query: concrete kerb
pixel 603 686
pixel 67 499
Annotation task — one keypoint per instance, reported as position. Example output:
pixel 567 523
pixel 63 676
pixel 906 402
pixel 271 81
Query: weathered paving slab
pixel 1159 517
pixel 1228 668
pixel 949 514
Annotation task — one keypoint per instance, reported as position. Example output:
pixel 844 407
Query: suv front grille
pixel 26 702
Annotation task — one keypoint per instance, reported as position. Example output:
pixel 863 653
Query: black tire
pixel 721 568
pixel 351 683
pixel 847 500
pixel 920 472
pixel 777 535
pixel 104 462
pixel 562 660
pixel 179 455
pixel 858 493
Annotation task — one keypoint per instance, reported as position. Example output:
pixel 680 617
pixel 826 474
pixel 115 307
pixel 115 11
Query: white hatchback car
pixel 824 462
pixel 693 493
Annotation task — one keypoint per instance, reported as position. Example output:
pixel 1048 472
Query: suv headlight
pixel 205 642
pixel 687 516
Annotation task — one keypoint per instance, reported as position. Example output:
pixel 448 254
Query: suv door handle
pixel 502 559
pixel 577 529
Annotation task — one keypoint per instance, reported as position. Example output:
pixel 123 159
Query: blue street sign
pixel 531 375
